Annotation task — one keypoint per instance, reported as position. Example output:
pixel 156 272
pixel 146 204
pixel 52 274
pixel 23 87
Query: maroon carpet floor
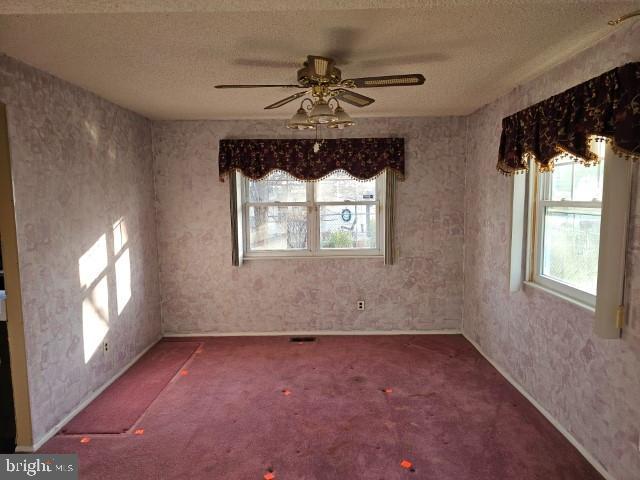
pixel 117 408
pixel 250 407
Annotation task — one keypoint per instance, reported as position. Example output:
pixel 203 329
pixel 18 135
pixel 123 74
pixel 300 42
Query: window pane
pixel 561 179
pixel 277 187
pixel 587 183
pixel 348 226
pixel 574 182
pixel 339 186
pixel 277 228
pixel 570 246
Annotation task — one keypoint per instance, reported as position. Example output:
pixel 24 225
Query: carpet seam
pixel 137 421
pixel 188 361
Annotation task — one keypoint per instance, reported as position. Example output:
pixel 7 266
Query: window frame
pixel 540 186
pixel 313 249
pixel 611 305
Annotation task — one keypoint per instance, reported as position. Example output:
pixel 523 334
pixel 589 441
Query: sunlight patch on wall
pixel 93 262
pixel 95 315
pixel 123 280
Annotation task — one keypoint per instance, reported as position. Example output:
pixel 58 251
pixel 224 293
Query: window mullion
pixel 347 202
pixel 570 204
pixel 277 204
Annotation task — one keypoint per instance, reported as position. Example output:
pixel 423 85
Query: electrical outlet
pixel 360 305
pixel 105 347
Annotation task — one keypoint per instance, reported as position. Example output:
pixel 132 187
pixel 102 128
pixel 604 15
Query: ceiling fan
pixel 322 80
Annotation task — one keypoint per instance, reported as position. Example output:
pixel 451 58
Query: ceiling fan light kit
pixel 343 119
pixel 323 87
pixel 300 121
pixel 321 112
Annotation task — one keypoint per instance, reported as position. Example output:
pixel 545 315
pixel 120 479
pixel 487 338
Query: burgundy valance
pixel 362 158
pixel 607 107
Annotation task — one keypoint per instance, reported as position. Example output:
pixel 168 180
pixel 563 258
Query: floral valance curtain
pixel 362 158
pixel 606 107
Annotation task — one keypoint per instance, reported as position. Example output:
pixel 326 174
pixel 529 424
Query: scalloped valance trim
pixel 591 160
pixel 360 158
pixel 266 175
pixel 606 108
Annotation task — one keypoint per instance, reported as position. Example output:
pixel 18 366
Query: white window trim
pixel 313 249
pixel 614 233
pixel 615 213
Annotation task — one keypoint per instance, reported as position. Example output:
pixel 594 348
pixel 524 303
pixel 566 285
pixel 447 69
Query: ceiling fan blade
pixel 352 97
pixel 284 101
pixel 408 80
pixel 259 86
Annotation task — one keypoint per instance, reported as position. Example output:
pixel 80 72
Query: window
pixel 568 209
pixel 337 215
pixel 569 234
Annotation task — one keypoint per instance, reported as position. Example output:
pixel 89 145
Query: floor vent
pixel 302 339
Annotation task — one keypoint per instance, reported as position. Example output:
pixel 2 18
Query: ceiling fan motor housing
pixel 319 70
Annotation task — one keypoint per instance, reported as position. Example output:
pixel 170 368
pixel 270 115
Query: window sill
pixel 310 257
pixel 573 301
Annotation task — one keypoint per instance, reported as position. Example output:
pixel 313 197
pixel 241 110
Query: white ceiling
pixel 162 58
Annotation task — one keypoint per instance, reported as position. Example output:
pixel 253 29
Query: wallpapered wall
pixel 80 165
pixel 202 292
pixel 591 386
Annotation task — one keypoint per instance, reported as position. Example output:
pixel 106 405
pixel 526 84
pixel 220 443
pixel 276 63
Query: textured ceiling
pixel 162 58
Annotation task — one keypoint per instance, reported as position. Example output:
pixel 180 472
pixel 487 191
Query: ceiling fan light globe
pixel 341 125
pixel 321 113
pixel 300 126
pixel 343 119
pixel 323 119
pixel 300 121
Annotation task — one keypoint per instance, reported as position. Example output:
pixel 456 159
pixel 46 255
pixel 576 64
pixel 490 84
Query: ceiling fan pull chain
pixel 317 144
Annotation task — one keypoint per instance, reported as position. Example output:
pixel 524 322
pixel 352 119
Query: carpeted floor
pixel 242 408
pixel 125 400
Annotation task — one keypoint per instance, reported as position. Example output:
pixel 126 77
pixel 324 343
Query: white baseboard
pixel 316 333
pixel 86 401
pixel 585 453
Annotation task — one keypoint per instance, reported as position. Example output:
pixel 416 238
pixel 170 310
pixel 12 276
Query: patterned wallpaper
pixel 592 386
pixel 83 184
pixel 92 248
pixel 202 292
